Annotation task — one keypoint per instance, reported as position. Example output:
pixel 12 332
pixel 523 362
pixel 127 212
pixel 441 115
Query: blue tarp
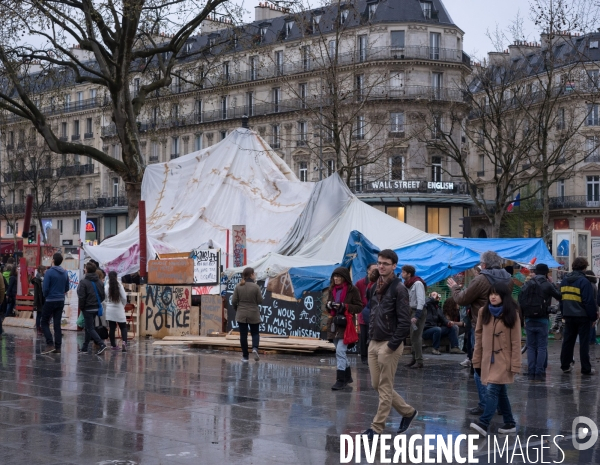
pixel 311 278
pixel 436 260
pixel 518 250
pixel 360 252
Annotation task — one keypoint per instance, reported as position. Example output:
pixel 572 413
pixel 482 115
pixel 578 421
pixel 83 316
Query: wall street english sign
pixel 412 186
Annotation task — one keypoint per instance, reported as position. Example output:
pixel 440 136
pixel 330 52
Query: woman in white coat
pixel 115 310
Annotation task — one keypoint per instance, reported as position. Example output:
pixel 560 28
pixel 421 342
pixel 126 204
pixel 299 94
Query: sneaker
pixel 507 428
pixel 57 350
pixel 435 352
pixel 83 350
pixel 466 363
pixel 409 365
pixel 49 349
pixel 101 349
pixel 244 359
pixel 369 433
pixel 479 427
pixel 255 354
pixel 456 350
pixel 124 347
pixel 405 423
pixel 115 348
pixel 589 373
pixel 568 370
pixel 475 411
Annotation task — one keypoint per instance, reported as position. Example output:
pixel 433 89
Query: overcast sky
pixel 472 16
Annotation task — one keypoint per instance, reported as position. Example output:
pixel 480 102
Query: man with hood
pixel 476 295
pixel 579 312
pixel 534 300
pixel 54 288
pixel 91 295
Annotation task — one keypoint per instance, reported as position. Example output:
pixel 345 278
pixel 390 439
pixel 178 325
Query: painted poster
pixel 70 310
pixel 167 311
pixel 593 225
pixel 239 244
pixel 207 266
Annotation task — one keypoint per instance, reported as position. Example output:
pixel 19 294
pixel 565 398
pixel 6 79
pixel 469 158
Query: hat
pixel 541 268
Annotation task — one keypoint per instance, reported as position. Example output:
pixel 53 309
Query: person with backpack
pixel 534 300
pixel 91 295
pixel 11 293
pixel 115 310
pixel 54 288
pixel 363 317
pixel 38 296
pixel 389 326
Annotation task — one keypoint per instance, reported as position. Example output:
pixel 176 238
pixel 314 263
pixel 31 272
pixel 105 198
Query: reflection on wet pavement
pixel 173 405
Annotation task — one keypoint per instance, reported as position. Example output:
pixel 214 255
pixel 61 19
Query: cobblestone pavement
pixel 174 405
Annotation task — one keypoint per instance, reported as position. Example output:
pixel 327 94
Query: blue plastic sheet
pixel 311 278
pixel 360 252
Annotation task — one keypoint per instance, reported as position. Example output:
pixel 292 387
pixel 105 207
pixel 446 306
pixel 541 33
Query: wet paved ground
pixel 173 405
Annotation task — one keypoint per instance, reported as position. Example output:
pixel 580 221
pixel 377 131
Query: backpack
pixel 532 300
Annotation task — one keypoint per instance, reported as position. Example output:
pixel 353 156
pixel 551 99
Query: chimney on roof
pixel 265 11
pixel 498 58
pixel 82 55
pixel 520 48
pixel 215 23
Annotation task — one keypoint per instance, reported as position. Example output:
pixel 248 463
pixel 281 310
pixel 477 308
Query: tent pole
pixel 227 251
pixel 143 243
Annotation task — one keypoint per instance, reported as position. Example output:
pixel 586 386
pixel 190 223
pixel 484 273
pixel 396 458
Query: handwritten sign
pixel 171 271
pixel 211 314
pixel 282 317
pixel 167 311
pixel 207 266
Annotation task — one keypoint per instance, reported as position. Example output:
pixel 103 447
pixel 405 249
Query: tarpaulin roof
pixel 360 252
pixel 518 250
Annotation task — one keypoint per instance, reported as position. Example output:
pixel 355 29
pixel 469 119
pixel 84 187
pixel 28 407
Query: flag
pixel 514 203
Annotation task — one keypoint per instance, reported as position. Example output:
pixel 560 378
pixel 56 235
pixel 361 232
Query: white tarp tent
pixel 241 180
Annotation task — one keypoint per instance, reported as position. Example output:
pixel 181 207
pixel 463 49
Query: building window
pixel 67 102
pixel 332 49
pixel 250 103
pixel 360 127
pixel 362 47
pixel 136 87
pixel 396 83
pixel 436 169
pixel 359 86
pixel 223 135
pixel 198 142
pixel 316 19
pixel 560 189
pixel 253 68
pixel 397 122
pixel 343 16
pixel 76 226
pixel 226 71
pixel 358 178
pixel 397 212
pixel 435 40
pixel 560 119
pixel 279 63
pixel 303 93
pixel 481 165
pixel 76 128
pixel 89 128
pixel 426 7
pixel 372 10
pixel 303 171
pixel 436 128
pixel 275 136
pixel 175 111
pixel 593 118
pixel 438 220
pixel 289 25
pixel 397 40
pixel 59 225
pixel 330 167
pixel 593 188
pixel 110 226
pixel 174 147
pixel 22 196
pixel 436 84
pixel 276 93
pixel 306 57
pixel 224 107
pixel 397 168
pixel 591 148
pixel 115 189
pixel 9 228
pixel 63 129
pixel 302 132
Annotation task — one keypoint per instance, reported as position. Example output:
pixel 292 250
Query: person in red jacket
pixel 363 317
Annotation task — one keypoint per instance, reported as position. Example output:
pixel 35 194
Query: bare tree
pixel 113 41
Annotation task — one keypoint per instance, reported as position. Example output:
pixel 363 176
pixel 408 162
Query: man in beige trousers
pixel 389 325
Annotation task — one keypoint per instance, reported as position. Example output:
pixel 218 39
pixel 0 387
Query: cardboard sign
pixel 207 266
pixel 167 311
pixel 211 314
pixel 171 271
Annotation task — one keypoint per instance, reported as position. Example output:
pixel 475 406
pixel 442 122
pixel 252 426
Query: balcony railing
pixel 76 137
pixel 75 170
pixel 70 205
pixel 556 203
pixel 88 135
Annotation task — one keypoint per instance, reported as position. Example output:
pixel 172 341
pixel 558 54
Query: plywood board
pixel 171 271
pixel 166 311
pixel 195 321
pixel 211 314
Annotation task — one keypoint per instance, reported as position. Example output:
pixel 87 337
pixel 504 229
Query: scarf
pixel 339 292
pixel 383 283
pixel 410 281
pixel 495 311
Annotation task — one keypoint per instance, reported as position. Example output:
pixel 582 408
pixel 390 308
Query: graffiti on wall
pixel 239 244
pixel 166 308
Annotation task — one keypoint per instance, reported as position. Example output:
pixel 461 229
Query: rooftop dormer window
pixel 427 8
pixel 371 9
pixel 289 25
pixel 316 19
pixel 343 16
pixel 263 29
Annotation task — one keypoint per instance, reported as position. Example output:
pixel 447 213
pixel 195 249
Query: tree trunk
pixel 497 221
pixel 545 216
pixel 134 195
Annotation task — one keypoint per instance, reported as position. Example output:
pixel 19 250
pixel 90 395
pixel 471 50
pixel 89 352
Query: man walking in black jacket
pixel 91 295
pixel 389 325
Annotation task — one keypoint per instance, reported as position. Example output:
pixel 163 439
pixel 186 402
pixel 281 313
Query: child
pixel 497 355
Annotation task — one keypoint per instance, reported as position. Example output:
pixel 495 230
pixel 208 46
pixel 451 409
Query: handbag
pixel 101 330
pixel 80 320
pixel 340 321
pixel 100 308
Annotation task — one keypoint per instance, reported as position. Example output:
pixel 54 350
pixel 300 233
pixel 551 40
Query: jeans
pixel 112 327
pixel 341 357
pixel 537 345
pixel 363 338
pixel 52 310
pixel 383 365
pixel 481 390
pixel 90 330
pixel 244 337
pixel 437 333
pixel 576 326
pixel 38 318
pixel 10 305
pixel 416 337
pixel 496 396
